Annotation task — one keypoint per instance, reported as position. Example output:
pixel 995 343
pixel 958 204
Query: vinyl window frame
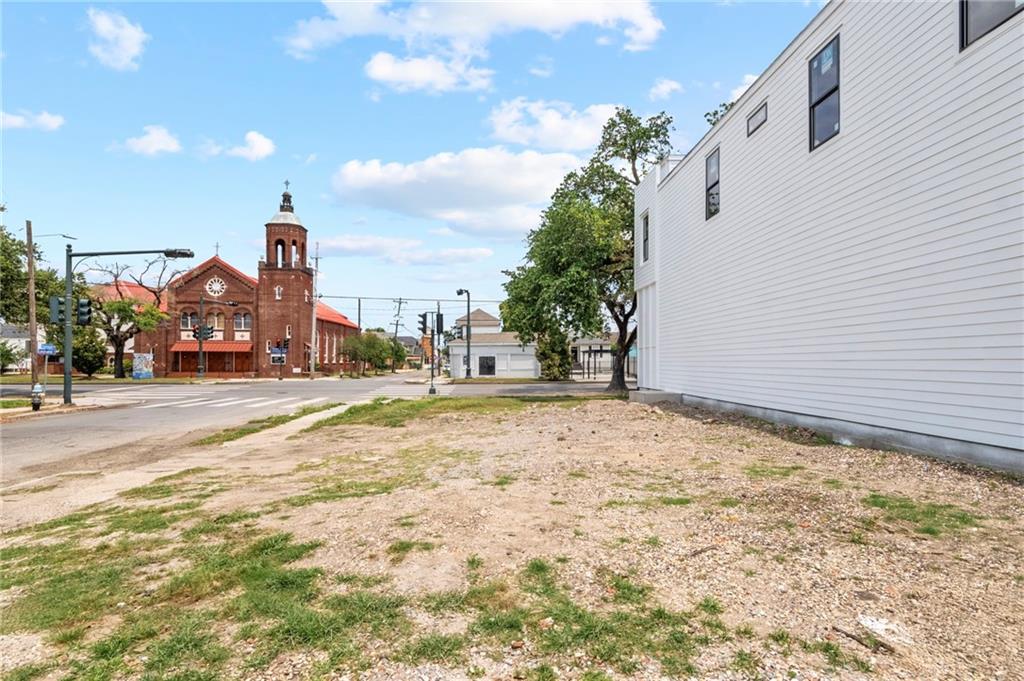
pixel 964 10
pixel 708 185
pixel 645 222
pixel 764 105
pixel 813 102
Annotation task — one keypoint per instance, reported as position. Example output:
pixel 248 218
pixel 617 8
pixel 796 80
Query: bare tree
pixel 164 276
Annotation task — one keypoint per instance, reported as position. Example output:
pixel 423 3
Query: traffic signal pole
pixel 201 366
pixel 67 325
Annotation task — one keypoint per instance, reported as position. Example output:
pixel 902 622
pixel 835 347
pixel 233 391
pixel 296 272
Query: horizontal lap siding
pixel 877 279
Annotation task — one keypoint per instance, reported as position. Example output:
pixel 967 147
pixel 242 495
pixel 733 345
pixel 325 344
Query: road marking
pixel 190 403
pixel 233 402
pixel 167 404
pixel 270 402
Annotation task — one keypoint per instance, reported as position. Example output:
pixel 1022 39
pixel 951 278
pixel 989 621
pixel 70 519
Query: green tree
pixel 712 117
pixel 554 356
pixel 88 351
pixel 14 280
pixel 398 354
pixel 354 349
pixel 578 271
pixel 377 351
pixel 9 355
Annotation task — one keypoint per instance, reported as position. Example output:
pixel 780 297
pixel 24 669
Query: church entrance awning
pixel 212 346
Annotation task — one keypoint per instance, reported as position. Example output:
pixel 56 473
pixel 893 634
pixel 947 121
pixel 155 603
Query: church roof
pixel 286 213
pixel 329 314
pixel 206 264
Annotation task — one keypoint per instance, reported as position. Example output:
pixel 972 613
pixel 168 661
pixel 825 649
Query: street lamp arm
pixel 169 252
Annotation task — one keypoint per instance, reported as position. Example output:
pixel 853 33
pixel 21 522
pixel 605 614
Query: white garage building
pixel 855 268
pixel 494 353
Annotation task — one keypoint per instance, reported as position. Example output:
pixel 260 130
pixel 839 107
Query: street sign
pixel 277 351
pixel 277 359
pixel 47 349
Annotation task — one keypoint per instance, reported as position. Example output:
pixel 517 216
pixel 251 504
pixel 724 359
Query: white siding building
pixel 493 353
pixel 854 268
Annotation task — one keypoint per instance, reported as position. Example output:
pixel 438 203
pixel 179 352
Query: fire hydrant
pixel 37 396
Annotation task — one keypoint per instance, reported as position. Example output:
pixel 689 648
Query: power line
pixel 418 300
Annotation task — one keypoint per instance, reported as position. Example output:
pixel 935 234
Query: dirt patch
pixel 786 554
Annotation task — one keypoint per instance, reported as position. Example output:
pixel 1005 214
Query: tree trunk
pixel 621 314
pixel 118 357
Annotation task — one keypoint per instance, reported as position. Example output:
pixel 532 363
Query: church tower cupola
pixel 286 237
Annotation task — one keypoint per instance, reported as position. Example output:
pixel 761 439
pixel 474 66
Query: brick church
pixel 250 316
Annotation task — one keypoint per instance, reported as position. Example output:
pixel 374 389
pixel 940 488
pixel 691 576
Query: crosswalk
pixel 205 398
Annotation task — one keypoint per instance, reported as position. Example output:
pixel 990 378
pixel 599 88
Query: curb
pixel 74 409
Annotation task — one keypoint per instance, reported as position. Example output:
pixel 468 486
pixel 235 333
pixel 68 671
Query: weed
pixel 542 673
pixel 857 537
pixel 474 562
pixel 577 474
pixel 764 470
pixel 832 483
pixel 627 591
pixel 836 657
pixel 928 518
pixel 710 605
pixel 674 501
pixel 746 663
pixel 502 481
pixel 744 631
pixel 29 671
pixel 366 608
pixel 361 581
pixel 400 549
pixel 729 502
pixel 654 541
pixel 439 648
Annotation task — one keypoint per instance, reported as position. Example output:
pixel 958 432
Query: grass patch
pixel 395 413
pixel 502 481
pixel 261 424
pixel 624 590
pixel 439 648
pixel 729 502
pixel 26 672
pixel 746 663
pixel 15 403
pixel 926 517
pixel 759 471
pixel 361 581
pixel 675 501
pixel 400 549
pixel 835 657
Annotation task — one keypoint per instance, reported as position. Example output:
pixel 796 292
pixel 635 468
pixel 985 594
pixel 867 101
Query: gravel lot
pixel 763 552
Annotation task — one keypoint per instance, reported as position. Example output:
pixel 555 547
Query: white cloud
pixel 604 40
pixel 44 120
pixel 310 158
pixel 119 42
pixel 399 251
pixel 256 147
pixel 469 26
pixel 209 148
pixel 663 89
pixel 443 231
pixel 543 67
pixel 490 190
pixel 429 73
pixel 738 91
pixel 156 140
pixel 549 125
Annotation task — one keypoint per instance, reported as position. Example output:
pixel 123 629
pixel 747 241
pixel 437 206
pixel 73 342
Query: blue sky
pixel 420 139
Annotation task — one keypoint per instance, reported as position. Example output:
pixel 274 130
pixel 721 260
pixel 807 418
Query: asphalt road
pixel 133 413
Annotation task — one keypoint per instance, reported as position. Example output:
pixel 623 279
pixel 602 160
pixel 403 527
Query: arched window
pixel 295 253
pixel 243 321
pixel 278 292
pixel 279 253
pixel 216 320
pixel 189 319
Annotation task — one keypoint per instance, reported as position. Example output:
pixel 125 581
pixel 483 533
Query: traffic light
pixel 286 342
pixel 195 332
pixel 424 329
pixel 84 317
pixel 439 322
pixel 56 310
pixel 207 332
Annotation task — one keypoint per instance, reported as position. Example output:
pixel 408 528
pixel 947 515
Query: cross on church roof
pixel 216 248
pixel 287 184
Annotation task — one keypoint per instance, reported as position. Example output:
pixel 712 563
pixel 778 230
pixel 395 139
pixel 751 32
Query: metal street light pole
pixel 469 333
pixel 68 322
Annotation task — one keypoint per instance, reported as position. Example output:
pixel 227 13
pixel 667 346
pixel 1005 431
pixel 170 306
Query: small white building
pixel 494 353
pixel 855 267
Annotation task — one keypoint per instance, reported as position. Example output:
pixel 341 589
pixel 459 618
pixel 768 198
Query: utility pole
pixel 398 318
pixel 32 302
pixel 440 335
pixel 314 345
pixel 469 333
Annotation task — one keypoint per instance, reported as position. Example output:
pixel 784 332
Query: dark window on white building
pixel 757 119
pixel 824 94
pixel 486 366
pixel 647 237
pixel 978 17
pixel 711 202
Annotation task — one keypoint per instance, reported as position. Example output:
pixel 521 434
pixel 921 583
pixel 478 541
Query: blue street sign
pixel 277 351
pixel 47 349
